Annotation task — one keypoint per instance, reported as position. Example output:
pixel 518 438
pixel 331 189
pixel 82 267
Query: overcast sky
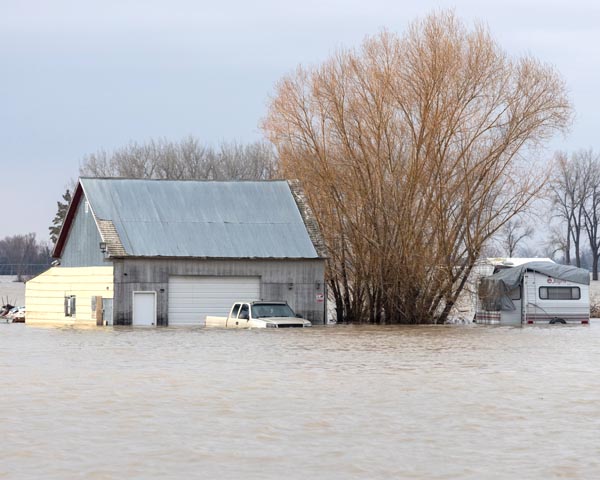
pixel 78 75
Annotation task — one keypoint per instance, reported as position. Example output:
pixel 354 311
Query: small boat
pixel 11 314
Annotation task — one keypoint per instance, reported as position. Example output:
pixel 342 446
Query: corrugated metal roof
pixel 173 218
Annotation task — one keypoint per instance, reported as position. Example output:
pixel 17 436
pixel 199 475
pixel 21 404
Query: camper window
pixel 560 293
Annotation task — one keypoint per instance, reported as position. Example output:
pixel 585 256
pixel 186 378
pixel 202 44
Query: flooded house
pixel 169 252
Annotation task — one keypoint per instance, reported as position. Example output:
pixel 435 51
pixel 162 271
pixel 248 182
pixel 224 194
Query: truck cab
pixel 259 315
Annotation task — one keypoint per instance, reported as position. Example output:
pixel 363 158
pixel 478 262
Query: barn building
pixel 170 252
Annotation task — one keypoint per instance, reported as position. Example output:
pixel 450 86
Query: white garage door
pixel 191 299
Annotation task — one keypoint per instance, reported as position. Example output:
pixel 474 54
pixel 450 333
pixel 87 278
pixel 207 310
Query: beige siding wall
pixel 45 294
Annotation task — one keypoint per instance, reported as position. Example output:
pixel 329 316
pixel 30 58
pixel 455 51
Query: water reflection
pixel 337 402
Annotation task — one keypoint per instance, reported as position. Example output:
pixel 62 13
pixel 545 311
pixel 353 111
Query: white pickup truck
pixel 258 315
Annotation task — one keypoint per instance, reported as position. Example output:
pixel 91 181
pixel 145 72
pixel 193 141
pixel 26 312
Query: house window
pixel 70 306
pixel 560 293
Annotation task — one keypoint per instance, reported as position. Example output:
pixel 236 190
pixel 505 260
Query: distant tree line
pixel 187 159
pixel 23 256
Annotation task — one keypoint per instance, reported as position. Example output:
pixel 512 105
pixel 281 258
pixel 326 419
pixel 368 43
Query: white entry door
pixel 144 308
pixel 191 299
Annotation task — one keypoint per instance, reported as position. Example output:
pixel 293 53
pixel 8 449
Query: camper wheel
pixel 557 320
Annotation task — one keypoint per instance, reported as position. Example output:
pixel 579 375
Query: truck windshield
pixel 272 310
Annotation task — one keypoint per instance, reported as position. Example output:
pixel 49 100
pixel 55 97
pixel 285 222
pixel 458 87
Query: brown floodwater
pixel 340 402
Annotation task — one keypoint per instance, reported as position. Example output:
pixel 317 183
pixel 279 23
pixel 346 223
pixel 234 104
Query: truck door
pixel 243 316
pixel 231 319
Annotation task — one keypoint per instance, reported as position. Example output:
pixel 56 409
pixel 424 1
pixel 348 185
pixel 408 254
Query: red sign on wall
pixel 320 298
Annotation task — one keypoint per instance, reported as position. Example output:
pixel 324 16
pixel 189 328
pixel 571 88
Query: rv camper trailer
pixel 534 292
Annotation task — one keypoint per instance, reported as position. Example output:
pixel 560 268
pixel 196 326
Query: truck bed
pixel 219 322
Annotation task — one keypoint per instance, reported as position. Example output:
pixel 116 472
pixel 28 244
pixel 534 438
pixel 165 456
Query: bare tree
pixel 187 159
pixel 412 153
pixel 591 205
pixel 555 243
pixel 246 162
pixel 571 187
pixel 512 234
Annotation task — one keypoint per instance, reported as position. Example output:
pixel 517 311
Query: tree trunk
pixel 568 247
pixel 339 303
pixel 577 253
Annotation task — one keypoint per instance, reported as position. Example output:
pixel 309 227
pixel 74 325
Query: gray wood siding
pixel 296 281
pixel 82 246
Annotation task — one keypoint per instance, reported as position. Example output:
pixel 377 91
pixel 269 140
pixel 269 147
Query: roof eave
pixel 66 226
pixel 161 257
